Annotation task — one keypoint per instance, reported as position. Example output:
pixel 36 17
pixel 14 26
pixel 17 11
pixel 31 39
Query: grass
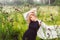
pixel 13 25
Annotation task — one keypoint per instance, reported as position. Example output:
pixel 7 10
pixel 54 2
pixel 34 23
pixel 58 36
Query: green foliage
pixel 13 25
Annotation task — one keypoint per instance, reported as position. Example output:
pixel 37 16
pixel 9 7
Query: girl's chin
pixel 34 20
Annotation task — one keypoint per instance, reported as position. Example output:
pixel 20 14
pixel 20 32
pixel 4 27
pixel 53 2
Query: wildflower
pixel 48 35
pixel 49 29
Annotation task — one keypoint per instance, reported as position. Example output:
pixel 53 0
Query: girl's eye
pixel 30 17
pixel 33 15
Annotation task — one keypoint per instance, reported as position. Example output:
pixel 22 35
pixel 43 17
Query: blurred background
pixel 31 2
pixel 12 22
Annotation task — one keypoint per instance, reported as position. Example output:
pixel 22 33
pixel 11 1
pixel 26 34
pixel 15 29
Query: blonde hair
pixel 28 18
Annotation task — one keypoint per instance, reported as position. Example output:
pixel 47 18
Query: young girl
pixel 34 25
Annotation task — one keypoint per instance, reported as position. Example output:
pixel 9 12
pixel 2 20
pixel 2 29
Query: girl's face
pixel 32 17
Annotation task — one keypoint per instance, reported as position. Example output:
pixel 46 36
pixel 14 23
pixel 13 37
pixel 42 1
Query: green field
pixel 13 25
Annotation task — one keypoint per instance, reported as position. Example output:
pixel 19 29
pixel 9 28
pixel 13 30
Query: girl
pixel 34 25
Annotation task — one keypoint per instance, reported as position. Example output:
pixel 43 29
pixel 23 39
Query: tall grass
pixel 13 25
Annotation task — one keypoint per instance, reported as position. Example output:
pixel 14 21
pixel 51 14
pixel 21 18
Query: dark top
pixel 31 33
pixel 34 26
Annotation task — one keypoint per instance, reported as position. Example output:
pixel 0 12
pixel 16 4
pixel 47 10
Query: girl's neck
pixel 36 19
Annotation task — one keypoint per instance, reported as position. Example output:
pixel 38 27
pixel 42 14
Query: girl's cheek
pixel 32 19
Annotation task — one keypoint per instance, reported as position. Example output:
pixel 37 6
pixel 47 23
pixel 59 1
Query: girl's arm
pixel 42 24
pixel 45 26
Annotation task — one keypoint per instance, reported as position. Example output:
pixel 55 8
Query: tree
pixel 30 1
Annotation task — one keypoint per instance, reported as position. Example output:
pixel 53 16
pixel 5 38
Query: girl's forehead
pixel 32 15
